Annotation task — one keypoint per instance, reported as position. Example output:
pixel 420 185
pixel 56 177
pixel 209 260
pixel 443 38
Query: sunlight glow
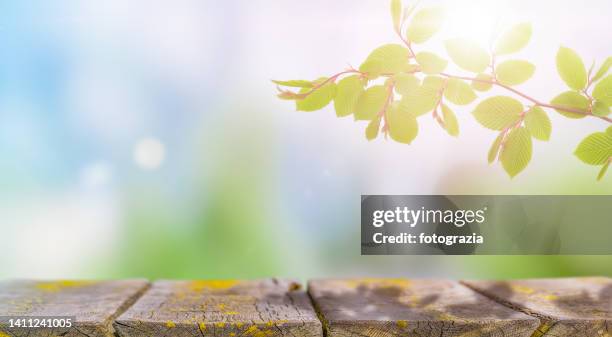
pixel 477 20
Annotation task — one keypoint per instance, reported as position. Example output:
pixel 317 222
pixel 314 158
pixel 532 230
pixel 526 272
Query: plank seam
pixel 319 312
pixel 127 304
pixel 546 322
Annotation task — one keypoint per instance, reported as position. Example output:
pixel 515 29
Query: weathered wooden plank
pixel 93 304
pixel 567 307
pixel 413 308
pixel 263 308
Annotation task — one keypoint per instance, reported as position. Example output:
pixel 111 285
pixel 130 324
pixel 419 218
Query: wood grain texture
pixel 93 304
pixel 264 308
pixel 413 308
pixel 567 307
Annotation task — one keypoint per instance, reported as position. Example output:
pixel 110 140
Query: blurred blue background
pixel 143 138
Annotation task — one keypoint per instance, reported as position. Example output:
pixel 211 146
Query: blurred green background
pixel 143 139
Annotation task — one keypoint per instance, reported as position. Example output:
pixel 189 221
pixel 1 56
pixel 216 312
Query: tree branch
pixel 467 78
pixel 383 112
pixel 330 79
pixel 406 42
pixel 527 97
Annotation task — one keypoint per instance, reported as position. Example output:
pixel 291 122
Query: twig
pixel 467 78
pixel 382 113
pixel 330 79
pixel 527 97
pixel 439 106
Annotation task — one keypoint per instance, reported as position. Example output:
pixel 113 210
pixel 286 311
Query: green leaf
pixel 482 86
pixel 403 126
pixel 424 98
pixel 467 55
pixel 609 131
pixel 295 83
pixel 389 58
pixel 600 109
pixel 371 102
pixel 372 129
pixel 514 72
pixel 595 149
pixel 514 39
pixel 571 68
pixel 418 105
pixel 516 152
pixel 319 98
pixel 494 150
pixel 405 83
pixel 538 123
pixel 396 13
pixel 433 83
pixel 424 24
pixel 603 90
pixel 603 70
pixel 573 100
pixel 459 92
pixel 411 68
pixel 604 169
pixel 348 91
pixel 498 112
pixel 431 63
pixel 450 121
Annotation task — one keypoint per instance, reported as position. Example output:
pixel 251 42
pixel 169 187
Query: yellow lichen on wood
pixel 550 297
pixel 220 324
pixel 212 285
pixel 522 289
pixel 55 286
pixel 277 322
pixel 170 324
pixel 2 334
pixel 444 316
pixel 541 330
pixel 254 331
pixel 411 300
pixel 402 324
pixel 532 292
pixel 251 330
pixel 378 282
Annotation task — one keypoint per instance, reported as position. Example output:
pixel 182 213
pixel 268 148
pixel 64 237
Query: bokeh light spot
pixel 149 153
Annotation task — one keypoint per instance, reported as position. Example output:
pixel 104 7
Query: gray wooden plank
pixel 93 304
pixel 413 308
pixel 258 308
pixel 567 306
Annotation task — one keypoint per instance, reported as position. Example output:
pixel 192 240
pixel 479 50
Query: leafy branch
pixel 396 85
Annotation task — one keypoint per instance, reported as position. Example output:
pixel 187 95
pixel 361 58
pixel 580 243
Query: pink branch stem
pixel 527 97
